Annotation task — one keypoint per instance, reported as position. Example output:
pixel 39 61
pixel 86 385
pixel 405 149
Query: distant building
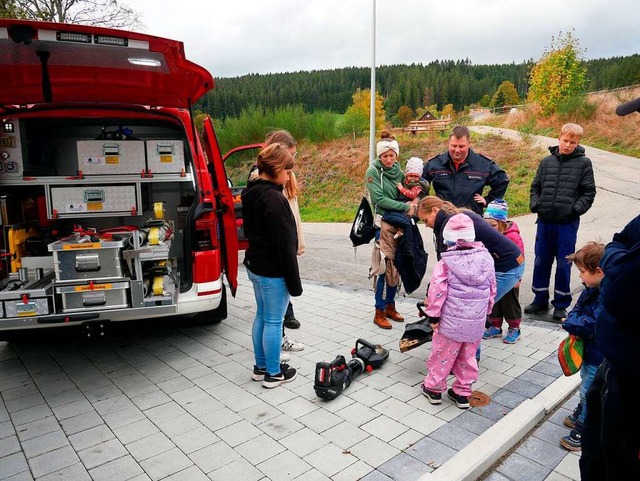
pixel 427 116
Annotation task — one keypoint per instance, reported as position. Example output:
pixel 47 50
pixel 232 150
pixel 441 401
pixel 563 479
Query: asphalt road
pixel 330 258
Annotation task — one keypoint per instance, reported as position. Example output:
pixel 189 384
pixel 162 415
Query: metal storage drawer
pixel 165 156
pixel 33 299
pixel 33 307
pixel 100 157
pixel 93 296
pixel 87 201
pixel 96 261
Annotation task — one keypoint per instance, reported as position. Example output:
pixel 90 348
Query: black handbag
pixel 363 229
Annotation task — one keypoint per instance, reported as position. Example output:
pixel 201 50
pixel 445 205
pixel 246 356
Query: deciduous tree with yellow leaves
pixel 559 75
pixel 505 95
pixel 356 118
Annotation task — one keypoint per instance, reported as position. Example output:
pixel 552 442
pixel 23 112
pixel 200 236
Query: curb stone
pixel 479 455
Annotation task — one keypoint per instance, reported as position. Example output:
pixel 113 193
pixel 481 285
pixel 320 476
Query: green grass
pixel 333 172
pixel 254 123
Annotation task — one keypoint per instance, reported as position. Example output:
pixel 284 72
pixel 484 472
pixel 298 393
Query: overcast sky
pixel 237 37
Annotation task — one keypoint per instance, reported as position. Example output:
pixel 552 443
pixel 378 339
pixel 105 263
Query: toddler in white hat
pixel 413 186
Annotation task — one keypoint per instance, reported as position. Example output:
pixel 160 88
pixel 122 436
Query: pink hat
pixel 459 227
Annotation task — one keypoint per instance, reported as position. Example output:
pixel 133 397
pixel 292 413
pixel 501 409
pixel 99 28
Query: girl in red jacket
pixel 508 307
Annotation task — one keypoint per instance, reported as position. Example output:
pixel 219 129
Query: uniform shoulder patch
pixel 369 179
pixel 485 156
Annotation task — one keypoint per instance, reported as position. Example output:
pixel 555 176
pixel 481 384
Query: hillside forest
pixel 459 83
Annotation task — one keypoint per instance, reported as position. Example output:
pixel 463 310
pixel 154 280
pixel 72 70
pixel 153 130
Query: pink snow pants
pixel 451 356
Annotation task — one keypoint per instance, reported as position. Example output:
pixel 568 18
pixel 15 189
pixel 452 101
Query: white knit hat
pixel 384 145
pixel 414 166
pixel 459 227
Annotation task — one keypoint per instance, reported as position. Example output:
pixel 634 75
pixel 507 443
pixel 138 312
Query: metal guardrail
pixel 618 89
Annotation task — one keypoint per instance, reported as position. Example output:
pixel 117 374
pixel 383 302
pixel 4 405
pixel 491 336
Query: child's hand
pixel 399 185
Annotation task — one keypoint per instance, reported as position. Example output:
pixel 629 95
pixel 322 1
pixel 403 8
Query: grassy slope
pixel 604 129
pixel 332 172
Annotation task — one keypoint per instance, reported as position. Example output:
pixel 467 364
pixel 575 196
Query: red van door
pixel 243 243
pixel 224 205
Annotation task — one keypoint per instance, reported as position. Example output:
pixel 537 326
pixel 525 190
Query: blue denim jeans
pixel 272 298
pixel 505 281
pixel 385 294
pixel 587 373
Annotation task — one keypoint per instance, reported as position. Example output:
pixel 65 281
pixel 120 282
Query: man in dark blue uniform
pixel 460 174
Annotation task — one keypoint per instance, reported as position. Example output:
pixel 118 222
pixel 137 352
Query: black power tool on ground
pixel 334 377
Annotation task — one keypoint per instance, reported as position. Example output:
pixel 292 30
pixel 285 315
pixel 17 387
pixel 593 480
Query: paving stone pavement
pixel 176 402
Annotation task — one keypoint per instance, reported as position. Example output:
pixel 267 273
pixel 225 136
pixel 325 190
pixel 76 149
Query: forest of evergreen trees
pixel 441 82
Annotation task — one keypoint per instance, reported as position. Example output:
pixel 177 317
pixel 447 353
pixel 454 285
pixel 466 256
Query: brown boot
pixel 380 320
pixel 392 314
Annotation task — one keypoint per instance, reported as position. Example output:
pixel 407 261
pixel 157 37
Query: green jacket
pixel 382 184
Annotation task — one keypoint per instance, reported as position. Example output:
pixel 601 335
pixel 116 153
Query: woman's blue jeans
pixel 272 298
pixel 505 281
pixel 385 294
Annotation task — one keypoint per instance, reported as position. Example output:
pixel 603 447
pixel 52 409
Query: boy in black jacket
pixel 562 190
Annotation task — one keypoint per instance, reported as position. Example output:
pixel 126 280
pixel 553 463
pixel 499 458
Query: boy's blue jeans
pixel 272 298
pixel 554 242
pixel 587 373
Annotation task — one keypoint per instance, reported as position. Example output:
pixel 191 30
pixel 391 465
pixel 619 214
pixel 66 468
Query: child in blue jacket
pixel 581 322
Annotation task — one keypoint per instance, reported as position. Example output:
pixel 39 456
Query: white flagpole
pixel 372 107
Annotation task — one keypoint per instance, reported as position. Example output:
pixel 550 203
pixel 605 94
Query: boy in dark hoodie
pixel 562 190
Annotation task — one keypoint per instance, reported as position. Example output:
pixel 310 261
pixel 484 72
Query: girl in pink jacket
pixel 460 295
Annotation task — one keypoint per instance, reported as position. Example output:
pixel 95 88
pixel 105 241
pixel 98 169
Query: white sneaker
pixel 291 345
pixel 284 356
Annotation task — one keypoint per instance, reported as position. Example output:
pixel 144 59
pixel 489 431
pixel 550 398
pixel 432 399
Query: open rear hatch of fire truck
pixel 104 208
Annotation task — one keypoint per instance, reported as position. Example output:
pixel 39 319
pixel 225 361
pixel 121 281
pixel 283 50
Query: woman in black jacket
pixel 271 260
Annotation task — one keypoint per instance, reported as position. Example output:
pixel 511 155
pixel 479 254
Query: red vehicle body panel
pixel 95 72
pixel 225 200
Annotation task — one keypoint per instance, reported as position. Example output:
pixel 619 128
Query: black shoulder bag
pixel 363 229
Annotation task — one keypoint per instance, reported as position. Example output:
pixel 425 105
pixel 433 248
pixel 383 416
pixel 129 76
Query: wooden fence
pixel 427 125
